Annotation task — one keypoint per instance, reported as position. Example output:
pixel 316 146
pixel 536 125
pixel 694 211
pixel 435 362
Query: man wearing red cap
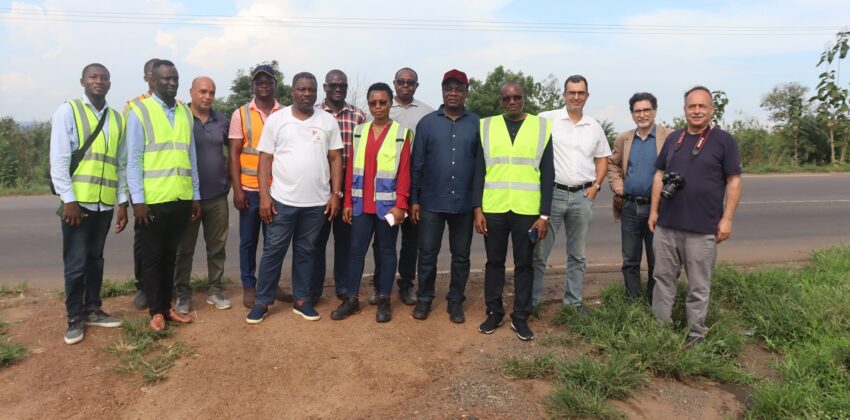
pixel 445 149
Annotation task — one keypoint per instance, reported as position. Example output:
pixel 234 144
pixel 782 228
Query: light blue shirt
pixel 64 140
pixel 638 181
pixel 136 153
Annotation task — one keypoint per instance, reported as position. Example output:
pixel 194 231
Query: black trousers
pixel 499 227
pixel 156 249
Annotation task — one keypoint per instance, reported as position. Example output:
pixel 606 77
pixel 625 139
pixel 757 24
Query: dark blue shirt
pixel 443 162
pixel 698 205
pixel 638 182
pixel 210 146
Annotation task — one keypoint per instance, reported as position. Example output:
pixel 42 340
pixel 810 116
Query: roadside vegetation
pixel 803 315
pixel 145 354
pixel 9 352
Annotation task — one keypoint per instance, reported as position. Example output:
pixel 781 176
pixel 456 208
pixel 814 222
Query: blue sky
pixel 689 43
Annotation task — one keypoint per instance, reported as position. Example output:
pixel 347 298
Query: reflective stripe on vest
pixel 512 180
pixel 167 169
pixel 96 178
pixel 389 156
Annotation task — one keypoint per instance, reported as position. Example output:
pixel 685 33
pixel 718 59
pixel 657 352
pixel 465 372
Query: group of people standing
pixel 301 172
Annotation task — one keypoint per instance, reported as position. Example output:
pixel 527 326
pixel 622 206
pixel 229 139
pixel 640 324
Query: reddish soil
pixel 287 367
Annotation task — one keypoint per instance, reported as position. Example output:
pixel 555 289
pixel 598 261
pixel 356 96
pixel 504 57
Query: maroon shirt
pixel 373 145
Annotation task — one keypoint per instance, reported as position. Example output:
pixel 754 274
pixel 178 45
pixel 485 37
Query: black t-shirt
pixel 698 206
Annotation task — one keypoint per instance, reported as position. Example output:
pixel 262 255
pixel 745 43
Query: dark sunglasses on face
pixel 378 102
pixel 337 86
pixel 402 82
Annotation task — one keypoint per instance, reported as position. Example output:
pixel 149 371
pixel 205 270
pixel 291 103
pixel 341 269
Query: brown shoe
pixel 248 295
pixel 283 295
pixel 178 317
pixel 157 323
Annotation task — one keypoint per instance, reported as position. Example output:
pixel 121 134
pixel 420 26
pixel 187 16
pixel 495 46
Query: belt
pixel 636 200
pixel 573 188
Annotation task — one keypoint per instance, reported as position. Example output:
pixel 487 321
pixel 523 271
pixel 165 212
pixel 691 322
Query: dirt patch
pixel 287 367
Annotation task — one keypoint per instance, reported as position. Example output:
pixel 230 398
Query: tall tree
pixel 831 97
pixel 241 93
pixel 720 100
pixel 786 106
pixel 484 96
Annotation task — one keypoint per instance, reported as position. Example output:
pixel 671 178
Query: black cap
pixel 265 68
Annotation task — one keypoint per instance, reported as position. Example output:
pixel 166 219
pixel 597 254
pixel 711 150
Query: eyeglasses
pixel 402 82
pixel 337 86
pixel 643 111
pixel 509 98
pixel 378 102
pixel 579 94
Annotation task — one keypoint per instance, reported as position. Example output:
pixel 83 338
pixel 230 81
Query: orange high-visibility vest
pixel 249 159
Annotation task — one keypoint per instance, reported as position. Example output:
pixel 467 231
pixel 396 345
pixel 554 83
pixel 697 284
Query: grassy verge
pixel 20 288
pixel 26 189
pixel 787 168
pixel 9 352
pixel 202 283
pixel 802 314
pixel 143 352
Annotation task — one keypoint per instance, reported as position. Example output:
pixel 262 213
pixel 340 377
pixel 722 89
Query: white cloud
pixel 16 83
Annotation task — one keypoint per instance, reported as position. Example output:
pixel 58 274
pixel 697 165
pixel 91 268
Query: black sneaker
pixel 99 318
pixel 490 324
pixel 455 310
pixel 348 307
pixel 522 331
pixel 421 310
pixel 581 310
pixel 694 341
pixel 140 301
pixel 385 313
pixel 408 297
pixel 76 332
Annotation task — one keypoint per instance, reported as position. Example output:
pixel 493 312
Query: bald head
pixel 336 88
pixel 203 95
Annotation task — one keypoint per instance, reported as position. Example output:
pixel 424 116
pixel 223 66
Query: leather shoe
pixel 248 295
pixel 455 310
pixel 283 295
pixel 157 323
pixel 178 317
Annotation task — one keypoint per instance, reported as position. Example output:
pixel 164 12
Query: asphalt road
pixel 781 218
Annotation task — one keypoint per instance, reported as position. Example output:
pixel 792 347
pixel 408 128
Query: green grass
pixel 17 289
pixel 25 189
pixel 113 288
pixel 10 352
pixel 143 353
pixel 802 313
pixel 202 283
pixel 788 168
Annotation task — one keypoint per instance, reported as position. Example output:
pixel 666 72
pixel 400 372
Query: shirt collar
pixel 412 104
pixel 440 111
pixel 346 107
pixel 213 116
pixel 651 132
pixel 253 105
pixel 162 104
pixel 88 103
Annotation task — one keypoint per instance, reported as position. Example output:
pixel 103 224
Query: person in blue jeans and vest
pixel 631 168
pixel 89 193
pixel 377 185
pixel 300 177
pixel 581 162
pixel 445 147
pixel 513 193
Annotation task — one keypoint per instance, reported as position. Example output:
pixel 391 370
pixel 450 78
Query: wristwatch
pixel 338 194
pixel 598 186
pixel 544 216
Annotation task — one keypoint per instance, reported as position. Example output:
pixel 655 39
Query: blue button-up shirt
pixel 443 162
pixel 136 153
pixel 210 146
pixel 64 140
pixel 642 155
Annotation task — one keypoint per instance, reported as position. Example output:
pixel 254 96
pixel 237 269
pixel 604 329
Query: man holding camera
pixel 697 167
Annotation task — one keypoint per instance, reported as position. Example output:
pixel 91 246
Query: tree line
pixel 808 129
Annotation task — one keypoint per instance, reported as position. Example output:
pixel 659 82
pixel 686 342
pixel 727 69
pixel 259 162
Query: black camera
pixel 672 182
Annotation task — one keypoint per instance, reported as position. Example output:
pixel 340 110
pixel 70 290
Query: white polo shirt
pixel 575 146
pixel 301 174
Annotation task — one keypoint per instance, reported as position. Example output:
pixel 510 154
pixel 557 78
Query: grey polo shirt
pixel 408 116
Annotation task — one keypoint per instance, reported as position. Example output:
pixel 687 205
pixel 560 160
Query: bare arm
pixel 655 203
pixel 234 168
pixel 601 170
pixel 733 196
pixel 264 172
pixel 335 163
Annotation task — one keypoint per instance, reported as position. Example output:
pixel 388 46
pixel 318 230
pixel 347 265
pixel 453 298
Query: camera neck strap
pixel 700 144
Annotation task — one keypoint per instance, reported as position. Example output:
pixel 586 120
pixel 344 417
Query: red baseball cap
pixel 456 75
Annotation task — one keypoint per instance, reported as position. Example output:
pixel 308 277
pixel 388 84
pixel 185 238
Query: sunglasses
pixel 402 82
pixel 337 86
pixel 509 98
pixel 378 102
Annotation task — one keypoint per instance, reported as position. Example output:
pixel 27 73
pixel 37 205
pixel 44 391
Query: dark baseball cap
pixel 456 75
pixel 263 69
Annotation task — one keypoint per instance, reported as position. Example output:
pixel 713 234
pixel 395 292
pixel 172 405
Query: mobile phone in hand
pixel 533 234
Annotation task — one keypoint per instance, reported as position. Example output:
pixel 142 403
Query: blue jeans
pixel 249 234
pixel 342 243
pixel 300 226
pixel 431 227
pixel 636 235
pixel 573 210
pixel 362 228
pixel 407 257
pixel 82 253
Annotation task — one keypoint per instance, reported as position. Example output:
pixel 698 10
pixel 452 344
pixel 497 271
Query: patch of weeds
pixel 10 352
pixel 558 339
pixel 569 400
pixel 113 288
pixel 535 367
pixel 18 289
pixel 615 378
pixel 202 283
pixel 142 351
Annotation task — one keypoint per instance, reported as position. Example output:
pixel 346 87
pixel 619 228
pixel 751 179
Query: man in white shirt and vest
pixel 90 184
pixel 581 162
pixel 513 194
